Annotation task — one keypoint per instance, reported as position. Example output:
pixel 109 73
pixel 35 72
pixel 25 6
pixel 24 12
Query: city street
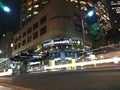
pixel 71 80
pixel 60 45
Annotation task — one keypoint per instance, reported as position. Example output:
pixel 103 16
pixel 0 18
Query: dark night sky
pixel 10 21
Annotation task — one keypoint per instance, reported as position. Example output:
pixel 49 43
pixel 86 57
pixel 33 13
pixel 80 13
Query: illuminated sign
pixel 60 42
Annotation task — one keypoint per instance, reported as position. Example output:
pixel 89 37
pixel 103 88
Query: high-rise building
pixel 114 12
pixel 53 28
pixel 30 8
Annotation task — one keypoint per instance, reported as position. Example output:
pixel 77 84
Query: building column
pixel 52 64
pixel 23 67
pixel 73 64
pixel 76 56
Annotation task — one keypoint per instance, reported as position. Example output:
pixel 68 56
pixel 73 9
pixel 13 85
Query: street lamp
pixel 5 8
pixel 0 51
pixel 89 14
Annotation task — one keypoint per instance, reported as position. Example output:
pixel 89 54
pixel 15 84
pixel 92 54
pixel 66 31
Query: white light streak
pixel 94 62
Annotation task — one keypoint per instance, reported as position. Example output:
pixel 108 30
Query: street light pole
pixel 90 13
pixel 83 32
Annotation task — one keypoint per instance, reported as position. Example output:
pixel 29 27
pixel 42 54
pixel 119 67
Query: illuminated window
pixel 108 18
pixel 99 4
pixel 83 8
pixel 105 16
pixel 44 2
pixel 82 2
pixel 35 12
pixel 76 1
pixel 29 15
pixel 35 0
pixel 73 1
pixel 29 2
pixel 97 13
pixel 36 6
pixel 11 45
pixel 90 4
pixel 104 10
pixel 29 9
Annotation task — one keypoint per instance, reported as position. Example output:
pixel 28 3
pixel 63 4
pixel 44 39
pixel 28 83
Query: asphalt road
pixel 73 80
pixel 5 88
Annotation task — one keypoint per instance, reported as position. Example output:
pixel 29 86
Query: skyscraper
pixel 114 12
pixel 30 8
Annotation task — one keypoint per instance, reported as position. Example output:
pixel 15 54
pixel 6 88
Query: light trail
pixel 94 62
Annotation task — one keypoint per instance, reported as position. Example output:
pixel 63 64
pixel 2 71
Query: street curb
pixel 15 87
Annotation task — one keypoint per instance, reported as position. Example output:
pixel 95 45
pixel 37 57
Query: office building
pixel 30 8
pixel 54 31
pixel 114 12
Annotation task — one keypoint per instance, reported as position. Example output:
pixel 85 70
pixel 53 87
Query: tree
pixel 94 30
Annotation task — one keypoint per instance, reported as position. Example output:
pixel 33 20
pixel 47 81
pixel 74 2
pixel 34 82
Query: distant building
pixel 5 45
pixel 6 49
pixel 54 30
pixel 30 8
pixel 114 12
